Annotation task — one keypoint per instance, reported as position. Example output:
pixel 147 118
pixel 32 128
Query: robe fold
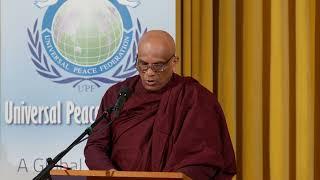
pixel 178 128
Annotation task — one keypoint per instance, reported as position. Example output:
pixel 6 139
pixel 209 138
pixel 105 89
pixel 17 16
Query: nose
pixel 150 72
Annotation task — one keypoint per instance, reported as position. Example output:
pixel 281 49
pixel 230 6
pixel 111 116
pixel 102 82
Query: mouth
pixel 150 82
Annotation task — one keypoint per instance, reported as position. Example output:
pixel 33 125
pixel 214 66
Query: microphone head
pixel 125 92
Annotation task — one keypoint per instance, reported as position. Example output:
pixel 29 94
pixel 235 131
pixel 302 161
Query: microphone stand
pixel 44 174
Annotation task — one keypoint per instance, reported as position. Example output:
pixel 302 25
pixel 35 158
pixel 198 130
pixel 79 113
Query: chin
pixel 151 88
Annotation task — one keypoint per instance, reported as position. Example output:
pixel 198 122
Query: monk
pixel 170 123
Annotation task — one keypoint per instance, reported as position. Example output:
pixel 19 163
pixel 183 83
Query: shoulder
pixel 191 84
pixel 194 92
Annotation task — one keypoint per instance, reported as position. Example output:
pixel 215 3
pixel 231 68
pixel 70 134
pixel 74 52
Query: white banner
pixel 58 57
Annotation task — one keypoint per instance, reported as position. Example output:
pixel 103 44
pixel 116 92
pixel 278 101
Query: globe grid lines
pixel 49 70
pixel 92 48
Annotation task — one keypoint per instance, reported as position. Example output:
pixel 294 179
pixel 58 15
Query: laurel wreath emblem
pixel 49 71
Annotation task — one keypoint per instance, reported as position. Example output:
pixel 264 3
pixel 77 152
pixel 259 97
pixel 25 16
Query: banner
pixel 58 57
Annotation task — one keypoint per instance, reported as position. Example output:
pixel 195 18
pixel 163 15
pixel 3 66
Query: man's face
pixel 155 69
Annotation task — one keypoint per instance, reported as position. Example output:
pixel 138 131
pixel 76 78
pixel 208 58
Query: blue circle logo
pixel 87 37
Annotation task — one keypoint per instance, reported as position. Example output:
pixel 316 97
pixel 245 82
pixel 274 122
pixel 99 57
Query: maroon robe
pixel 179 128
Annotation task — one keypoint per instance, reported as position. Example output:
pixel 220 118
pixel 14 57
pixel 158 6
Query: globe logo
pixel 87 37
pixel 87 32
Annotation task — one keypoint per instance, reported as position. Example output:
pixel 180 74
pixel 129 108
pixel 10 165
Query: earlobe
pixel 174 64
pixel 176 59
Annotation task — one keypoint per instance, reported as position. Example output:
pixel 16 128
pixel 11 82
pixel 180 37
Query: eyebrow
pixel 141 60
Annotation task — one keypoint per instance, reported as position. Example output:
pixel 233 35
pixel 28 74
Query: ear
pixel 174 63
pixel 176 59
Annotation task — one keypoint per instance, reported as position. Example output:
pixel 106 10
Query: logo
pixel 82 41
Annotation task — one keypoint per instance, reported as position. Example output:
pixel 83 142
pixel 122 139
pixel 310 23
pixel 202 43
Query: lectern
pixel 115 175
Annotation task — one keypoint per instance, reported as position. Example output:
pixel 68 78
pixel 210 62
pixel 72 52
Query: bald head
pixel 156 48
pixel 159 41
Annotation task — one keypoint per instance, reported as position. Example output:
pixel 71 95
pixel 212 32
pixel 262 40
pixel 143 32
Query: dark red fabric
pixel 180 128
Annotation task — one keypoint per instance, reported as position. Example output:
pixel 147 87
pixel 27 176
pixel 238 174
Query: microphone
pixel 123 96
